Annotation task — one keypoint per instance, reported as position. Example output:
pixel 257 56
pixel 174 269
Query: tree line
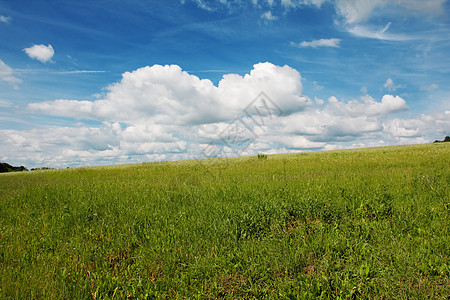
pixel 446 139
pixel 5 167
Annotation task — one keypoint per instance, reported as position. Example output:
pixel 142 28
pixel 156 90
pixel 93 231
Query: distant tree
pixel 446 139
pixel 262 156
pixel 5 167
pixel 43 168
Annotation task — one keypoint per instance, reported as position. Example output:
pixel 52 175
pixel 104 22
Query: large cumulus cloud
pixel 167 94
pixel 164 113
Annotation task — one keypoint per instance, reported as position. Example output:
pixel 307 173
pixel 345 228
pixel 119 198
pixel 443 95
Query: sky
pixel 104 82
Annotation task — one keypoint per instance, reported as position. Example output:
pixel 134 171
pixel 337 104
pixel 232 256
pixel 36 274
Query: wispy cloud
pixel 349 11
pixel 429 88
pixel 383 34
pixel 7 74
pixel 6 20
pixel 268 17
pixel 357 11
pixel 5 104
pixel 319 43
pixel 287 4
pixel 317 86
pixel 391 86
pixel 354 12
pixel 203 5
pixel 80 72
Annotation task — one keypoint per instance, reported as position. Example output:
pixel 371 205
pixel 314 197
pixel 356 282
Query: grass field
pixel 366 223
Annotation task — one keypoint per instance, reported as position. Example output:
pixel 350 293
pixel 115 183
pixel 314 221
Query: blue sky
pixel 107 82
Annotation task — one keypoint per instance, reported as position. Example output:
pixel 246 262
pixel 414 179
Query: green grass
pixel 367 223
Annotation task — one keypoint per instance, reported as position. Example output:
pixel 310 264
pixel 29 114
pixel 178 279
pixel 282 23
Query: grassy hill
pixel 366 223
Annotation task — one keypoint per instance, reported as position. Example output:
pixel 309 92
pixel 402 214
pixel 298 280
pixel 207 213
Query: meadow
pixel 363 223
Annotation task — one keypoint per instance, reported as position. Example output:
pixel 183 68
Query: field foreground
pixel 366 223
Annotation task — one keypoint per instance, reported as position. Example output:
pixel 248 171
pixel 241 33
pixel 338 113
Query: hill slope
pixel 354 223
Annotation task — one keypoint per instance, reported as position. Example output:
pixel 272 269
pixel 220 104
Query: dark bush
pixel 262 156
pixel 5 167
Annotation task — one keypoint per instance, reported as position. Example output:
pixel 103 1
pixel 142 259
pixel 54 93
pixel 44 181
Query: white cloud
pixel 109 143
pixel 355 11
pixel 391 86
pixel 425 127
pixel 7 74
pixel 358 11
pixel 402 128
pixel 298 3
pixel 353 14
pixel 203 5
pixel 428 7
pixel 379 34
pixel 164 113
pixel 317 86
pixel 230 4
pixel 368 106
pixel 391 104
pixel 350 11
pixel 337 122
pixel 4 103
pixel 6 20
pixel 319 43
pixel 40 52
pixel 317 3
pixel 166 94
pixel 429 88
pixel 297 142
pixel 267 16
pixel 318 101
